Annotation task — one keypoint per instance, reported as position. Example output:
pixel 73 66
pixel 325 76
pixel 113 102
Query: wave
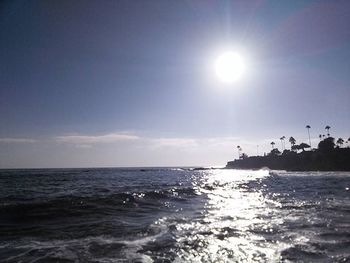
pixel 175 215
pixel 15 211
pixel 97 248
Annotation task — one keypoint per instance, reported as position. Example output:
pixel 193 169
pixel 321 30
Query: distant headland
pixel 330 155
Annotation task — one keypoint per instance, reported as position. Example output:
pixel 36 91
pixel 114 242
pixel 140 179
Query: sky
pixel 132 83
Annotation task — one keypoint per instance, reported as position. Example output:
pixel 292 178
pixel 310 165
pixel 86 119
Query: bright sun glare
pixel 229 67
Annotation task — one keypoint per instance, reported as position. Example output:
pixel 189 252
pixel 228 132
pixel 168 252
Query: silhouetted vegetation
pixel 329 156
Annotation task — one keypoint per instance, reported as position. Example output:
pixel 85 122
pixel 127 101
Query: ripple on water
pixel 167 215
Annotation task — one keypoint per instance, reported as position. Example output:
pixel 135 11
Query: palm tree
pixel 340 142
pixel 308 131
pixel 292 141
pixel 320 136
pixel 327 128
pixel 272 144
pixel 239 151
pixel 282 142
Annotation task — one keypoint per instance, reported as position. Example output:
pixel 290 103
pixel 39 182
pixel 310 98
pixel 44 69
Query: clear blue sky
pixel 130 83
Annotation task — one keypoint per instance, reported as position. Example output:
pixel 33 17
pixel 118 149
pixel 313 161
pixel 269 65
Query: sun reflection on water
pixel 233 225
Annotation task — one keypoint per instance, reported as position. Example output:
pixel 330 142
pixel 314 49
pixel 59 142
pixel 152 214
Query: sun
pixel 229 67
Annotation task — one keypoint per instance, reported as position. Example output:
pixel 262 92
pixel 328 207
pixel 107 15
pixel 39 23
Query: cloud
pixel 225 145
pixel 179 142
pixel 174 142
pixel 221 141
pixel 188 143
pixel 88 140
pixel 17 140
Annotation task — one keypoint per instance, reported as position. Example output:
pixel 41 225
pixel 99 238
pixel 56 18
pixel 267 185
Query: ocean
pixel 173 215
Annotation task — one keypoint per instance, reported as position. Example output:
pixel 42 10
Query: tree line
pixel 294 147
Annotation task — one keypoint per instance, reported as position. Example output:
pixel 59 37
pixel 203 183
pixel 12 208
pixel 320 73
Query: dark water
pixel 173 215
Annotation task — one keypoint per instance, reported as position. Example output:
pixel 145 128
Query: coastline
pixel 338 159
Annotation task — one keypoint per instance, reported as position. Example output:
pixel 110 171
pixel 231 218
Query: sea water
pixel 173 215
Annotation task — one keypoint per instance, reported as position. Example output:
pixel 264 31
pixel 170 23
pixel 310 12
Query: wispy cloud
pixel 88 140
pixel 179 142
pixel 17 140
pixel 221 141
pixel 174 142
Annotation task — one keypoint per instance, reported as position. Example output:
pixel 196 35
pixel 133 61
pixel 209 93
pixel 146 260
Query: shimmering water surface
pixel 173 215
